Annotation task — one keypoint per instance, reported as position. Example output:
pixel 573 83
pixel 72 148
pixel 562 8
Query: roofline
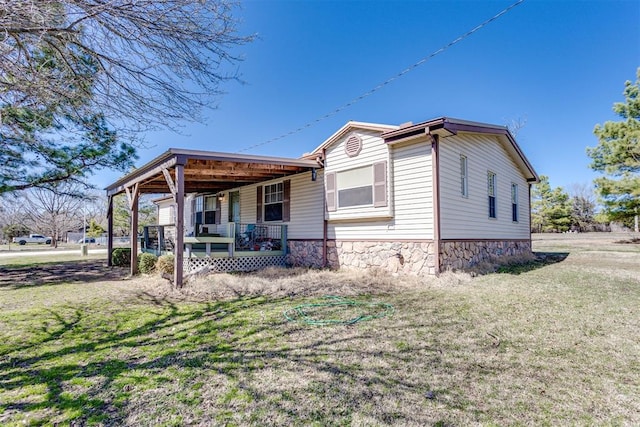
pixel 446 126
pixel 350 125
pixel 174 156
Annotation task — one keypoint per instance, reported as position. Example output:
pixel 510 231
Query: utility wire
pixel 386 82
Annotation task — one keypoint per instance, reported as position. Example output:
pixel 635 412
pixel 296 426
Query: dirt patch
pixel 62 272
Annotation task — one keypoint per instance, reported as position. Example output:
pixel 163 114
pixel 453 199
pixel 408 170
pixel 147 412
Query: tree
pixel 550 208
pixel 72 72
pixel 95 229
pixel 583 208
pixel 11 219
pixel 54 211
pixel 147 214
pixel 617 156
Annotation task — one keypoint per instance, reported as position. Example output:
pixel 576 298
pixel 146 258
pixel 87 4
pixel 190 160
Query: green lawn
pixel 555 343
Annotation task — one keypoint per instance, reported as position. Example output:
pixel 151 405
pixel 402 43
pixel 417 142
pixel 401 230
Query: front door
pixel 234 207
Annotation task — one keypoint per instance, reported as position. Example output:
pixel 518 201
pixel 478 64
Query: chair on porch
pixel 246 239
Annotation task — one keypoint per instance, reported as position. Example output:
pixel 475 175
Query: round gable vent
pixel 353 145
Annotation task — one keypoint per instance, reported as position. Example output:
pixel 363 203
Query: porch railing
pixel 261 237
pixel 159 239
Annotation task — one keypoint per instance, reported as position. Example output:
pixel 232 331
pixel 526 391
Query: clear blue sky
pixel 559 65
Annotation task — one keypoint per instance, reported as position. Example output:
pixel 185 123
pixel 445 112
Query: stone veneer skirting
pixel 460 255
pixel 414 258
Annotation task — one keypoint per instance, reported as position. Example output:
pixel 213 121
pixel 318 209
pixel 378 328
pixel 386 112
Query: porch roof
pixel 208 171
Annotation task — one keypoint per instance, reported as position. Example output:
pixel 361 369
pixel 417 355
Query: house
pixel 413 199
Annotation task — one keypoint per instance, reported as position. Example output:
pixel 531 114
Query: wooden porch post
pixel 179 248
pixel 133 196
pixel 110 231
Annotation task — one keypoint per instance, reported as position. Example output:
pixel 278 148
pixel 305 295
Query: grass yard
pixel 551 343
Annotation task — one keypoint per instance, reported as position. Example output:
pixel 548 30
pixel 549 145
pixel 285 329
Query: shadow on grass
pixel 542 259
pixel 85 367
pixel 54 273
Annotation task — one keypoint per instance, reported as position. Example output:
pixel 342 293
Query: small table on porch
pixel 208 240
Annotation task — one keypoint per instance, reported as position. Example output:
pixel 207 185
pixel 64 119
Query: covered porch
pixel 236 247
pixel 179 172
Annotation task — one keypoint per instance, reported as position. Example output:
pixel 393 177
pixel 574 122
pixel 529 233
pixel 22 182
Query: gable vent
pixel 353 145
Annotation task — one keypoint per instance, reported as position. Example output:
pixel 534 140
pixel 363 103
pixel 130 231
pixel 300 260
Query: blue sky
pixel 558 65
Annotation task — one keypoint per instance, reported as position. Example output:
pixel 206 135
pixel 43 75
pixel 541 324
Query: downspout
pixel 325 224
pixel 435 170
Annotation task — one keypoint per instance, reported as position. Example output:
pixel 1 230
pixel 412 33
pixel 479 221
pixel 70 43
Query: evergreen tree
pixel 617 156
pixel 550 208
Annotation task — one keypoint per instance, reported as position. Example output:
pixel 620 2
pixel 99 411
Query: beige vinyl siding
pixel 306 209
pixel 164 212
pixel 373 150
pixel 410 192
pixel 307 206
pixel 468 217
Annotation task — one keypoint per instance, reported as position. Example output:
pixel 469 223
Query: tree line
pixel 60 210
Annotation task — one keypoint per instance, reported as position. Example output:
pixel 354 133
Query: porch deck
pixel 238 247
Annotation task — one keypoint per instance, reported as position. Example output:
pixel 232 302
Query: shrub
pixel 121 257
pixel 147 263
pixel 165 264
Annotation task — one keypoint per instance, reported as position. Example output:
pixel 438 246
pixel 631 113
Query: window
pixel 514 202
pixel 197 210
pixel 355 187
pixel 491 191
pixel 210 210
pixel 360 187
pixel 464 178
pixel 204 210
pixel 273 201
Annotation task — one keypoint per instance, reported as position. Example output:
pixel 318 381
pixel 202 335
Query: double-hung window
pixel 198 204
pixel 464 177
pixel 273 201
pixel 204 210
pixel 210 209
pixel 514 202
pixel 491 191
pixel 355 187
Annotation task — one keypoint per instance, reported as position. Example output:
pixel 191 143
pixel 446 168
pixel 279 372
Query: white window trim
pixel 265 203
pixel 514 201
pixel 338 188
pixel 492 191
pixel 464 176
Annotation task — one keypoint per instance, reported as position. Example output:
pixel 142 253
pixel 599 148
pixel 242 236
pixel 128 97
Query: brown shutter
pixel 218 210
pixel 330 181
pixel 286 200
pixel 379 184
pixel 259 204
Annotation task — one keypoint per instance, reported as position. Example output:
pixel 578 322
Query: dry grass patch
pixel 555 344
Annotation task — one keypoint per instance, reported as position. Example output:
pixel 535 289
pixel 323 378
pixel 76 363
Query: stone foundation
pixel 414 258
pixel 304 253
pixel 460 255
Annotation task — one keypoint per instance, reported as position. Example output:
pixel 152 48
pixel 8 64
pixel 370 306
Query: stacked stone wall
pixel 304 253
pixel 460 255
pixel 414 258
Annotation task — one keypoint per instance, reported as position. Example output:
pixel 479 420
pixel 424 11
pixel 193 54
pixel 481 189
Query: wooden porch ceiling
pixel 208 171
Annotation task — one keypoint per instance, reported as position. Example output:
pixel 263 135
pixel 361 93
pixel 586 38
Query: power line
pixel 386 82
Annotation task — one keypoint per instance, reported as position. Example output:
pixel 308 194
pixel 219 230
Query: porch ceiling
pixel 206 171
